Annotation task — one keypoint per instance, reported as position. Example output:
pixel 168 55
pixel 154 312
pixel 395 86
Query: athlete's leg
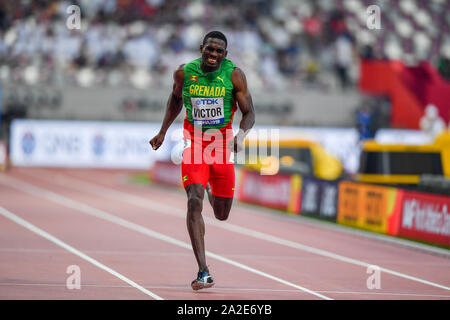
pixel 210 195
pixel 195 224
pixel 222 189
pixel 222 207
pixel 195 176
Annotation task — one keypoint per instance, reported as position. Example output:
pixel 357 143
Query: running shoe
pixel 203 281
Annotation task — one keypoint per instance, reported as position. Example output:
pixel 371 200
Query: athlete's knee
pixel 195 204
pixel 222 208
pixel 221 215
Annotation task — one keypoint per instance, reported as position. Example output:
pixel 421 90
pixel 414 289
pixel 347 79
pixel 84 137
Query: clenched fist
pixel 157 141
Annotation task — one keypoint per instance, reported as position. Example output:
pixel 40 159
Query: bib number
pixel 207 111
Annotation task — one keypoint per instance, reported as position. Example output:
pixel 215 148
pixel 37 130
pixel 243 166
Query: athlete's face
pixel 213 52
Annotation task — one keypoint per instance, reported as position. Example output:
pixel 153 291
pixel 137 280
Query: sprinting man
pixel 210 88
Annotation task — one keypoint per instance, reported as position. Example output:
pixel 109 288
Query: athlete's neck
pixel 207 69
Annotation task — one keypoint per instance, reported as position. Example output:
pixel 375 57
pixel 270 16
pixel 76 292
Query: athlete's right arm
pixel 173 109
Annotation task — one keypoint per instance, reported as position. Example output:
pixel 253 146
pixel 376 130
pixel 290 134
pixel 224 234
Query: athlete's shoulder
pixel 238 79
pixel 179 74
pixel 194 64
pixel 237 73
pixel 227 63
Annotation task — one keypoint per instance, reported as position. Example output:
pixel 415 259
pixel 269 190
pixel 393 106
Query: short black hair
pixel 215 35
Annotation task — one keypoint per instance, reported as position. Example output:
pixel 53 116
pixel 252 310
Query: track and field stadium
pixel 344 195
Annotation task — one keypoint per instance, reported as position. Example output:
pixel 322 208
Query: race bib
pixel 207 111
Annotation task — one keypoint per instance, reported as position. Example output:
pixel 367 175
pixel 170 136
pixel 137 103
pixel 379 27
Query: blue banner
pixel 319 198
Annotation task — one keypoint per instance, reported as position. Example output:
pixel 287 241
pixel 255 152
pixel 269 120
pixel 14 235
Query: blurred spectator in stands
pixel 364 122
pixel 165 33
pixel 336 24
pixel 312 70
pixel 270 72
pixel 4 19
pixel 288 60
pixel 431 123
pixel 344 58
pixel 313 27
pixel 444 67
pixel 366 52
pixel 81 60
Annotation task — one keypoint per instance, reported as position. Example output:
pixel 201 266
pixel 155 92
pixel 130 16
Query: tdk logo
pixel 207 101
pixel 28 143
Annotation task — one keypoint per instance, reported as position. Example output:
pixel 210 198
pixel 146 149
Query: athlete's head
pixel 213 50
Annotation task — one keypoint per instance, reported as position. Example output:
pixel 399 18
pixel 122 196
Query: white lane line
pixel 12 284
pixel 108 252
pixel 170 210
pixel 359 293
pixel 48 236
pixel 82 207
pixel 298 219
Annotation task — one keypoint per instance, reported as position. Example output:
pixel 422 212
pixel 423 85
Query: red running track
pixel 130 241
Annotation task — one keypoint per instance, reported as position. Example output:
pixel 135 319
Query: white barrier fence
pixel 124 145
pixel 85 144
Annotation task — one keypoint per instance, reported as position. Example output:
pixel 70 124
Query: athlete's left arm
pixel 244 100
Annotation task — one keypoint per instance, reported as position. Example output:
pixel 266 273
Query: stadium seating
pixel 136 42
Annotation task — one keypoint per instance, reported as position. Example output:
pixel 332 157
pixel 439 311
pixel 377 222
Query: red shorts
pixel 209 162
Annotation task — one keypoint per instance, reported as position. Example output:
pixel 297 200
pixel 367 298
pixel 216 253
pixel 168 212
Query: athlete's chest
pixel 209 97
pixel 207 85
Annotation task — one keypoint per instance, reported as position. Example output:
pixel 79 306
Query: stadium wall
pixel 285 107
